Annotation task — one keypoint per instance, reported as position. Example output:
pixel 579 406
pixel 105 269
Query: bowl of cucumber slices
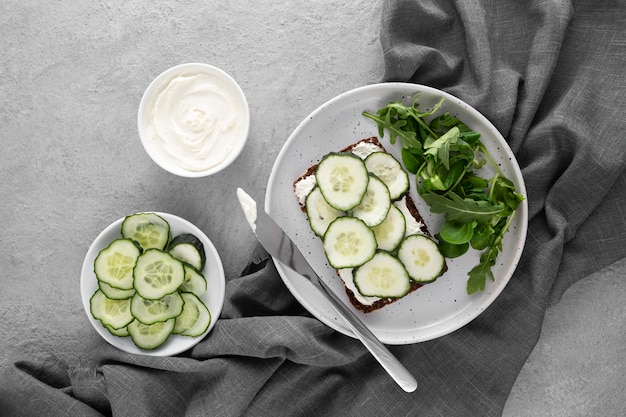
pixel 152 283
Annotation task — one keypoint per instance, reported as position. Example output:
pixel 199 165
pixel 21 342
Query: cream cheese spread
pixel 413 227
pixel 196 120
pixel 364 149
pixel 347 276
pixel 304 187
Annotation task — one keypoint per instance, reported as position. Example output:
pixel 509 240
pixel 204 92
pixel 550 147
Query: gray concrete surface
pixel 578 367
pixel 71 77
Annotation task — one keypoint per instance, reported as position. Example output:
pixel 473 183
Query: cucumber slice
pixel 189 249
pixel 375 204
pixel 152 311
pixel 149 230
pixel 157 274
pixel 121 332
pixel 348 243
pixel 391 231
pixel 342 178
pixel 421 258
pixel 187 318
pixel 319 212
pixel 388 169
pixel 150 336
pixel 113 313
pixel 114 264
pixel 194 282
pixel 383 276
pixel 115 293
pixel 195 318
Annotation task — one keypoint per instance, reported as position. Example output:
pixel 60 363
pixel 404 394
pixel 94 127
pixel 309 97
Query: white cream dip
pixel 197 119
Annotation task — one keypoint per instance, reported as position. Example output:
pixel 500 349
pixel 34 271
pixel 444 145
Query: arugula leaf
pixel 463 210
pixel 451 250
pixel 479 273
pixel 440 148
pixel 432 111
pixel 395 128
pixel 503 190
pixel 458 233
pixel 445 121
pixel 410 160
pixel 482 237
pixel 472 186
pixel 443 153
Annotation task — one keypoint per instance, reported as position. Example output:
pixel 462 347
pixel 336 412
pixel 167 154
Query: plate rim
pixel 408 88
pixel 176 344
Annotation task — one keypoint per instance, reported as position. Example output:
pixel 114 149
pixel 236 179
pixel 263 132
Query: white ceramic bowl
pixel 193 120
pixel 213 298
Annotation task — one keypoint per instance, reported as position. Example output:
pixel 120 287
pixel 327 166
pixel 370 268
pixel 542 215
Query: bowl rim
pixel 154 87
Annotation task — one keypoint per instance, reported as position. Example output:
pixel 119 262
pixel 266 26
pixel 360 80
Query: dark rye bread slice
pixel 378 304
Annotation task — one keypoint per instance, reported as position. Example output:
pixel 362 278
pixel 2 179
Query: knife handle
pixel 388 361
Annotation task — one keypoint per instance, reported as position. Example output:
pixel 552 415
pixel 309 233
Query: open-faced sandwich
pixel 357 202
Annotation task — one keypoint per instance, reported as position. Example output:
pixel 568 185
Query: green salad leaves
pixel 444 154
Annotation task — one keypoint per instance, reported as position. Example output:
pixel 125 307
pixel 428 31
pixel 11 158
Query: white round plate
pixel 436 309
pixel 213 298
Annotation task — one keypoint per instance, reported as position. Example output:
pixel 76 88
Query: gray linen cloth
pixel 550 76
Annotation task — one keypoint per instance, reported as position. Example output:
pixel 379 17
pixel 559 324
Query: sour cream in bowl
pixel 193 120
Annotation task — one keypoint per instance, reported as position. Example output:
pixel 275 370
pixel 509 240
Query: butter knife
pixel 280 246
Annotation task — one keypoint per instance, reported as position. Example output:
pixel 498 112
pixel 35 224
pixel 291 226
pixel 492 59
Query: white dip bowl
pixel 193 120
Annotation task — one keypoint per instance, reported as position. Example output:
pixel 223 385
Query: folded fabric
pixel 265 355
pixel 549 75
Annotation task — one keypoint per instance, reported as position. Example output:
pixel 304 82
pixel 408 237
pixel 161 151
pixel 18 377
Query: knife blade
pixel 278 244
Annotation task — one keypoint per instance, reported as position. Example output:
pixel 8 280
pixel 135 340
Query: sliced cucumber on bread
pixel 375 203
pixel 320 213
pixel 348 243
pixel 387 168
pixel 421 258
pixel 382 276
pixel 391 231
pixel 371 230
pixel 342 179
